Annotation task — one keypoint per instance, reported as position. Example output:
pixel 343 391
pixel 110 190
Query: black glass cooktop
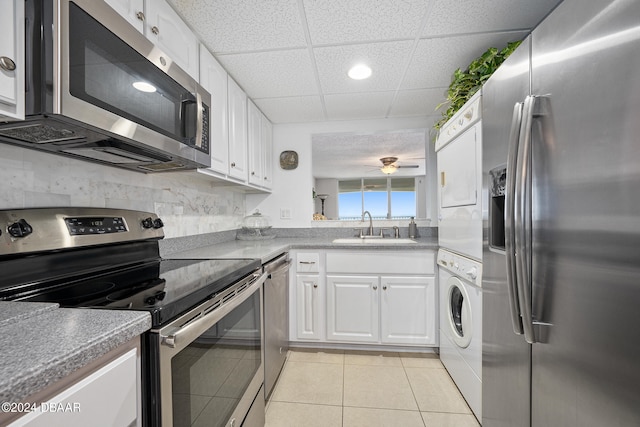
pixel 165 288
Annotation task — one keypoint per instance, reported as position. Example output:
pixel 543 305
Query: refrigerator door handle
pixel 509 229
pixel 522 214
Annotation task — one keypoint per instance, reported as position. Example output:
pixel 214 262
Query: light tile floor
pixel 324 388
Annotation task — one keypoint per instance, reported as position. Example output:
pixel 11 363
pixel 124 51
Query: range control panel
pixel 95 225
pixel 46 229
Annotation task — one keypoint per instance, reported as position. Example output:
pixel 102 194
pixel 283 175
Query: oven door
pixel 210 359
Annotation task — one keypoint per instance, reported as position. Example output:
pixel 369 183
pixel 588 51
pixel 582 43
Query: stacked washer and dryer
pixel 459 158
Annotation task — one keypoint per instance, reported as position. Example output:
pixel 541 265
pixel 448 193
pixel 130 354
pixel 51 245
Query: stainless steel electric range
pixel 202 359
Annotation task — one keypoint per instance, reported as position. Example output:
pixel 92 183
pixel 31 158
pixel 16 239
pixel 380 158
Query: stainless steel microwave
pixel 97 89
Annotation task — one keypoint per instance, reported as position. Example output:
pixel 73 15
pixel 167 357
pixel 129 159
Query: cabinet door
pixel 214 79
pixel 458 170
pixel 308 307
pixel 106 397
pixel 165 29
pixel 408 310
pixel 352 308
pixel 12 56
pixel 237 131
pixel 131 10
pixel 254 142
pixel 267 149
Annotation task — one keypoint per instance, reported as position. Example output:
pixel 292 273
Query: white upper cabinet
pixel 12 60
pixel 267 138
pixel 168 31
pixel 131 10
pixel 164 27
pixel 214 79
pixel 237 131
pixel 255 145
pixel 260 147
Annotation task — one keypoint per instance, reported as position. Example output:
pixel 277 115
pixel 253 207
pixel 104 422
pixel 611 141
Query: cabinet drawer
pixel 308 262
pixel 382 262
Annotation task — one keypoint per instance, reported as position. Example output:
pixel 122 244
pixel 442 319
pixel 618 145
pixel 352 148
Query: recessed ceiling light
pixel 359 72
pixel 144 87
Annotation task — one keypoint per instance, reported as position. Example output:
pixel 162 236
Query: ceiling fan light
pixel 359 72
pixel 388 169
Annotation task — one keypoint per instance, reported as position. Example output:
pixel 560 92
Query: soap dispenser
pixel 413 229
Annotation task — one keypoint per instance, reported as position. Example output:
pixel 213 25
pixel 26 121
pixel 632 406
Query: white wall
pixel 187 202
pixel 293 188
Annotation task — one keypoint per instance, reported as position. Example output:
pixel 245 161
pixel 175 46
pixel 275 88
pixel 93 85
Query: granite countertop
pixel 41 343
pixel 266 250
pixel 11 312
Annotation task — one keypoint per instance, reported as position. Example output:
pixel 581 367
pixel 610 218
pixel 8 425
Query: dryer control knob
pixel 472 273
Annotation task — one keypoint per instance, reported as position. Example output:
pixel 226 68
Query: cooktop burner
pixel 165 287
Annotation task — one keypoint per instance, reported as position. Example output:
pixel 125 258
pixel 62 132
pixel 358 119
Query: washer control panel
pixel 461 266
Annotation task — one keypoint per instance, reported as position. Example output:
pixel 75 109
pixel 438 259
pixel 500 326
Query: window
pixel 384 198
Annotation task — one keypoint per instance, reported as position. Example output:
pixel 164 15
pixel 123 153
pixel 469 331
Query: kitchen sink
pixel 388 241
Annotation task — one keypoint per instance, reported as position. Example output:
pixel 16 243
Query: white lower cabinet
pixel 352 308
pixel 408 310
pixel 365 297
pixel 307 308
pixel 385 309
pixel 108 396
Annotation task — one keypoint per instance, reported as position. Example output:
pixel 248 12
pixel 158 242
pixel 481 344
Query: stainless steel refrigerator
pixel 561 258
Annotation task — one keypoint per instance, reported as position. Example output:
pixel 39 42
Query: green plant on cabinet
pixel 466 83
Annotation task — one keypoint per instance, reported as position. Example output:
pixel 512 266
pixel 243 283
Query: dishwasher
pixel 276 319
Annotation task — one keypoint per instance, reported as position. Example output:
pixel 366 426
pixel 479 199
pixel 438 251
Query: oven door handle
pixel 181 338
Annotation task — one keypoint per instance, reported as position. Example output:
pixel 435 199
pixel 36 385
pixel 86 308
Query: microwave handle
pixel 199 126
pixel 185 124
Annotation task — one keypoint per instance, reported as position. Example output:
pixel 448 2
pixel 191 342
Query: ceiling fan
pixel 389 165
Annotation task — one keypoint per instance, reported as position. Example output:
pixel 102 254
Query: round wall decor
pixel 288 160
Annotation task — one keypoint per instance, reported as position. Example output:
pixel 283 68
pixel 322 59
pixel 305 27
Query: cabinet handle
pixel 265 178
pixel 253 173
pixel 375 287
pixel 7 63
pixel 233 164
pixel 315 285
pixel 384 287
pixel 140 16
pixel 307 262
pixel 155 30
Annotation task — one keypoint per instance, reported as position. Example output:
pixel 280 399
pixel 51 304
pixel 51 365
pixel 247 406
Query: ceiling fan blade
pixel 408 166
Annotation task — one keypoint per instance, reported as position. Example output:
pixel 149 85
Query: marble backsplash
pixel 188 202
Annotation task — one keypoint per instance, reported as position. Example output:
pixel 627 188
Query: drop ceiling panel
pixel 418 102
pixel 273 74
pixel 435 60
pixel 295 109
pixel 460 17
pixel 387 61
pixel 247 25
pixel 340 21
pixel 292 56
pixel 353 106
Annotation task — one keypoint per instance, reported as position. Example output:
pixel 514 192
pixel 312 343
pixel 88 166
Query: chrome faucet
pixel 370 222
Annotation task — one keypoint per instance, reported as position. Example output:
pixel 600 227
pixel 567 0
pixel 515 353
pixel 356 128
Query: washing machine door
pixel 459 313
